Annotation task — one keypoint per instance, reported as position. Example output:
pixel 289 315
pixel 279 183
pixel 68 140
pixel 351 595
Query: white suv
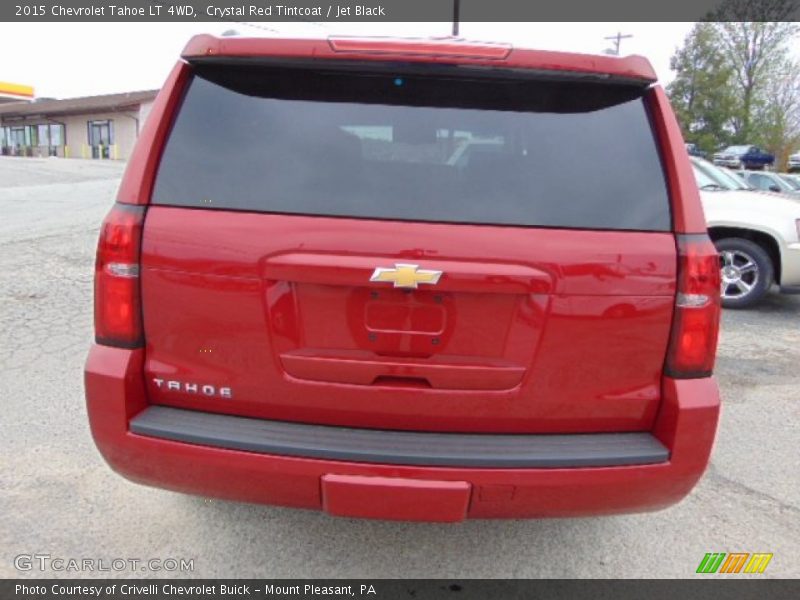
pixel 794 163
pixel 757 235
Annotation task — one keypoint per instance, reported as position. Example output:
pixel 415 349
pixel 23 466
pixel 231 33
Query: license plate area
pixel 395 498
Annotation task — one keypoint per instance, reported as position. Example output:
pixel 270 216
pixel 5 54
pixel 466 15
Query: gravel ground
pixel 58 497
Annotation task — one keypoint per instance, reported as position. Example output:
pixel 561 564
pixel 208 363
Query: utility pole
pixel 616 39
pixel 455 17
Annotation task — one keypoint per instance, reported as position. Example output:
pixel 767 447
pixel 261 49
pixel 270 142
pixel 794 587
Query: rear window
pixel 417 147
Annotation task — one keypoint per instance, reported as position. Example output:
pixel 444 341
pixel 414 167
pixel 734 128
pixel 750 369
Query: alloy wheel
pixel 739 273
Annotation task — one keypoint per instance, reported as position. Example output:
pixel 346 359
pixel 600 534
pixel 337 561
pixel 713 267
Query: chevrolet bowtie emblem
pixel 406 276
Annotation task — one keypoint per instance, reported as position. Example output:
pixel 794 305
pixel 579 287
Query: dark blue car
pixel 744 157
pixel 693 150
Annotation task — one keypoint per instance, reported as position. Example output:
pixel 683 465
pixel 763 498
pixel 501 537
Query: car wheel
pixel 747 272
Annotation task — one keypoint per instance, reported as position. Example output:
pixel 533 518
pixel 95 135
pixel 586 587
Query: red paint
pixel 140 173
pixel 559 331
pixel 451 51
pixel 395 498
pixel 687 210
pixel 529 330
pixel 686 423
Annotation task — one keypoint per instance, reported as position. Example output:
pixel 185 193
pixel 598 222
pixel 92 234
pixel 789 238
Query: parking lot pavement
pixel 58 497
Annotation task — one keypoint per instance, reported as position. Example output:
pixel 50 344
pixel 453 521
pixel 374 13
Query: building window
pixel 43 132
pixel 50 137
pixel 101 137
pixel 21 139
pixel 56 134
pixel 18 137
pixel 14 140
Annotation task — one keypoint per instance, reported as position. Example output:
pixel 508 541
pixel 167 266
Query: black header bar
pixel 323 11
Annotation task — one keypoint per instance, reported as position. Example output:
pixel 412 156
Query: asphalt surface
pixel 58 497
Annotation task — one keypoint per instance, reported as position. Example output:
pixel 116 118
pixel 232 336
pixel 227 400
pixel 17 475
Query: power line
pixel 617 39
pixel 270 29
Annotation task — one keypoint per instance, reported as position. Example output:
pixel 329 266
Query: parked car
pixel 757 235
pixel 792 180
pixel 794 163
pixel 693 150
pixel 744 157
pixel 770 182
pixel 302 298
pixel 716 178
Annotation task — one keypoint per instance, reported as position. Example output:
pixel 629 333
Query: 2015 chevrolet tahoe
pixel 358 275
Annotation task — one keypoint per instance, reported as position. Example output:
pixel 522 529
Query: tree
pixel 778 117
pixel 702 92
pixel 756 51
pixel 753 36
pixel 734 80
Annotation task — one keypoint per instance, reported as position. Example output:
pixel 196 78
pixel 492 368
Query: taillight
pixel 117 307
pixel 695 325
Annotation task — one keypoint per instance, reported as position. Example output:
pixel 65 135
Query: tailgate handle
pixel 434 373
pixel 401 381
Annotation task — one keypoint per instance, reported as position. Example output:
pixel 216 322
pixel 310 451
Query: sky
pixel 64 60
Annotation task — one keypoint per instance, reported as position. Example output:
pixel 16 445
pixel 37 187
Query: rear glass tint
pixel 415 147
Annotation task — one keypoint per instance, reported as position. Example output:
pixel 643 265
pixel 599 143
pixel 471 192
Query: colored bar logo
pixel 735 562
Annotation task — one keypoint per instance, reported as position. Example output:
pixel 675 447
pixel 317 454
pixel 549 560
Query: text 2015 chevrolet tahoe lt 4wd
pixel 360 276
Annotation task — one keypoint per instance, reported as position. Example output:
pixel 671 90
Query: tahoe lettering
pixel 192 388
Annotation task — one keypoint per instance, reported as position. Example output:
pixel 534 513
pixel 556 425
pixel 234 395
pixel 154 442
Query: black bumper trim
pixel 399 447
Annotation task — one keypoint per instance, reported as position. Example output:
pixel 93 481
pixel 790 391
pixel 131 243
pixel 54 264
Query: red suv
pixel 408 279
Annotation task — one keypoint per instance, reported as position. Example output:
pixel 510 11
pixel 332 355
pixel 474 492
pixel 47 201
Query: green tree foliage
pixel 756 53
pixel 734 80
pixel 777 119
pixel 702 92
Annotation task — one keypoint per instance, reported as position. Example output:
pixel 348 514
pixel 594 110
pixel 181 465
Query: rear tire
pixel 746 270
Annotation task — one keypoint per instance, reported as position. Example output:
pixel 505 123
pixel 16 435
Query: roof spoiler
pixel 451 51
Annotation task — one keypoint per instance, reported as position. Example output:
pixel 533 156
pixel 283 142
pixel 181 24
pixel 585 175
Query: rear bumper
pixel 115 396
pixel 424 449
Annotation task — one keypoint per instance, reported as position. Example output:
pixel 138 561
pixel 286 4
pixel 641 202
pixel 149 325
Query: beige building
pixel 100 127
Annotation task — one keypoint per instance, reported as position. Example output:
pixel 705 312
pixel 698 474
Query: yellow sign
pixel 15 89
